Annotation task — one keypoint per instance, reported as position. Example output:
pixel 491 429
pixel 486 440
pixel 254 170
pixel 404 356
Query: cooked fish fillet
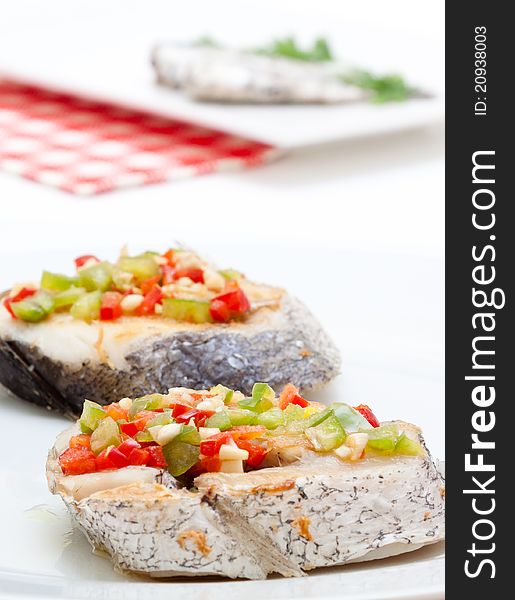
pixel 59 362
pixel 218 74
pixel 316 513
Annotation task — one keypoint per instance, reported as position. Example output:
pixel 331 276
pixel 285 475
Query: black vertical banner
pixel 480 268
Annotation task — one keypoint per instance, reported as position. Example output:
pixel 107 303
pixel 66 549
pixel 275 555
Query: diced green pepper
pixel 180 456
pixel 294 419
pixel 230 274
pixel 383 439
pixel 271 418
pixel 96 277
pixel 122 280
pixel 317 418
pixel 261 400
pixel 143 436
pixel 92 414
pixel 148 402
pixel 87 307
pixel 57 282
pixel 220 419
pixel 189 434
pixel 106 434
pixel 192 311
pixel 183 451
pixel 68 297
pixel 163 418
pixel 142 267
pixel 327 435
pixel 301 424
pixel 239 416
pixel 138 404
pixel 408 447
pixel 293 412
pixel 34 308
pixel 351 420
pixel 219 389
pixel 386 445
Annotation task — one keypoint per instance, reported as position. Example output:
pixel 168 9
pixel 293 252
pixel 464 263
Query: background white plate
pixel 385 312
pixel 102 50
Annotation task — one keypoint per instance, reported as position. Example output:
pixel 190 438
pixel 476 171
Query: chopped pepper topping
pixel 176 285
pixel 189 432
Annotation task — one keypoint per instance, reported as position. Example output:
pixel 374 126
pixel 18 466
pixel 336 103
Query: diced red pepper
pixel 179 409
pixel 139 457
pixel 299 401
pixel 143 417
pixel 76 461
pixel 207 464
pixel 184 417
pixel 366 411
pixel 201 395
pixel 236 300
pixel 196 275
pixel 82 260
pixel 211 446
pixel 256 452
pixel 219 311
pixel 149 301
pixel 147 285
pixel 170 257
pixel 168 274
pixel 82 440
pixel 200 420
pixel 199 417
pixel 21 295
pixel 247 432
pixel 130 428
pixel 119 459
pixel 128 446
pixel 116 412
pixel 232 303
pixel 111 307
pixel 157 458
pixel 111 458
pixel 290 395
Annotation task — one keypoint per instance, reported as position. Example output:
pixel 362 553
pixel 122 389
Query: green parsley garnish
pixel 387 88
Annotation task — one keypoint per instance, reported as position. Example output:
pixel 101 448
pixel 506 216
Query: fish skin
pixel 350 511
pixel 226 75
pixel 250 524
pixel 293 348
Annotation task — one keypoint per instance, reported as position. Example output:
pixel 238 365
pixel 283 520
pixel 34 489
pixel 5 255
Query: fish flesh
pixel 226 75
pixel 58 363
pixel 60 360
pixel 316 512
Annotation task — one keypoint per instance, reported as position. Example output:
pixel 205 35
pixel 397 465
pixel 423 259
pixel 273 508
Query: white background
pixel 354 228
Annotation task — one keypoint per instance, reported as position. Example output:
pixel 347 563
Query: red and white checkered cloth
pixel 86 147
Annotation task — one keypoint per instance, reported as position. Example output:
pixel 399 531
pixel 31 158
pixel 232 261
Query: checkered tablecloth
pixel 86 147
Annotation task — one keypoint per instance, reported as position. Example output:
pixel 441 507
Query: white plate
pixel 285 126
pixel 43 556
pixel 392 351
pixel 95 54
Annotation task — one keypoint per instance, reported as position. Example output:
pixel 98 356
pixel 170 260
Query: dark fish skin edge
pixel 299 352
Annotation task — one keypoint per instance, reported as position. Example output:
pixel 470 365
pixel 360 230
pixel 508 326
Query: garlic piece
pixel 167 433
pixel 125 403
pixel 213 280
pixel 207 432
pixel 356 442
pixel 131 302
pixel 228 452
pixel 343 452
pixel 231 466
